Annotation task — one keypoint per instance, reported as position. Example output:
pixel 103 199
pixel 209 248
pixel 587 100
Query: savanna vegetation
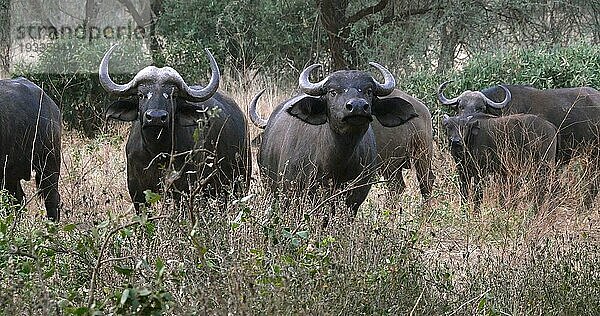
pixel 256 256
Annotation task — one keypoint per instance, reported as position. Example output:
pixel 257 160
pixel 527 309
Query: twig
pixel 412 311
pixel 116 259
pixel 99 261
pixel 23 254
pixel 333 196
pixel 468 302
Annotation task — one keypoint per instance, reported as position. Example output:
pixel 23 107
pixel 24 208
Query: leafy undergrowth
pixel 258 256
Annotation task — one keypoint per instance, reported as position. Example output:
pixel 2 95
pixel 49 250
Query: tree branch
pixel 99 260
pixel 367 11
pixel 397 17
pixel 134 13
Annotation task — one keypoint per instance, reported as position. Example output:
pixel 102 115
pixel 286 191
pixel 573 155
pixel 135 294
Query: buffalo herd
pixel 340 134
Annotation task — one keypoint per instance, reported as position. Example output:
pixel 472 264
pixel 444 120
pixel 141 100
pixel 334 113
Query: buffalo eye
pixel 332 93
pixel 369 92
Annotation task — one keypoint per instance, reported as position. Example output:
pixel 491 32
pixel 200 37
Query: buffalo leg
pixel 356 196
pixel 139 199
pixel 544 183
pixel 15 189
pixel 425 177
pixel 47 183
pixel 592 190
pixel 395 181
pixel 594 184
pixel 136 187
pixel 137 196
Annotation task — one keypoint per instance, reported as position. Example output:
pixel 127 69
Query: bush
pixel 561 67
pixel 273 36
pixel 68 72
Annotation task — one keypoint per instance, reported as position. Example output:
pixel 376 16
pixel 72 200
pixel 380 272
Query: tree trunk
pixel 157 10
pixel 448 44
pixel 5 39
pixel 333 19
pixel 91 13
pixel 147 21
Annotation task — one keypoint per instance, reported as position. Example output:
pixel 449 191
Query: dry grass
pixel 397 257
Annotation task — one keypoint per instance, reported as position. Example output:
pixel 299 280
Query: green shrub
pixel 68 72
pixel 561 67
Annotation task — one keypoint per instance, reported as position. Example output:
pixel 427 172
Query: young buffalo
pixel 482 144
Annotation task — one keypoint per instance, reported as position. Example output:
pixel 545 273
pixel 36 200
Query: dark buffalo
pixel 30 140
pixel 574 111
pixel 323 137
pixel 483 144
pixel 407 145
pixel 202 133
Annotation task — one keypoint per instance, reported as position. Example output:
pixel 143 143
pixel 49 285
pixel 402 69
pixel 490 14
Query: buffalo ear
pixel 123 110
pixel 312 110
pixel 445 119
pixel 189 115
pixel 393 111
pixel 474 129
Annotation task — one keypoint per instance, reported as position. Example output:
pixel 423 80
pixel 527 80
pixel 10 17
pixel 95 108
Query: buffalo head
pixel 470 102
pixel 347 100
pixel 157 97
pixel 458 130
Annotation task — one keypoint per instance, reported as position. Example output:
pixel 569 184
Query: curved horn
pixel 107 83
pixel 314 89
pixel 203 94
pixel 452 102
pixel 385 88
pixel 254 117
pixel 495 105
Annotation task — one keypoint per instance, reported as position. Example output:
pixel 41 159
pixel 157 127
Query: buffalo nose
pixel 156 116
pixel 357 105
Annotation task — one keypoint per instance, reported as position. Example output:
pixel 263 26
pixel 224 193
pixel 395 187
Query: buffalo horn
pixel 502 104
pixel 188 93
pixel 203 94
pixel 385 88
pixel 452 102
pixel 254 117
pixel 314 89
pixel 108 84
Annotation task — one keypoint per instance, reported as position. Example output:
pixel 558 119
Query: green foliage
pixel 560 67
pixel 228 262
pixel 259 34
pixel 52 264
pixel 152 300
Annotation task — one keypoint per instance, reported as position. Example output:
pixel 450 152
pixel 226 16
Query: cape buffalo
pixel 201 132
pixel 30 140
pixel 482 144
pixel 574 111
pixel 405 145
pixel 323 137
